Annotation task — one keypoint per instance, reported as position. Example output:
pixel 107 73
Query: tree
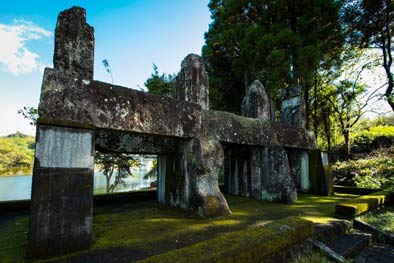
pixel 345 92
pixel 370 24
pixel 115 164
pixel 163 84
pixel 30 113
pixel 281 43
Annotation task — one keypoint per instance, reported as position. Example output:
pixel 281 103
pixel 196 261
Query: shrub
pixel 373 138
pixel 375 170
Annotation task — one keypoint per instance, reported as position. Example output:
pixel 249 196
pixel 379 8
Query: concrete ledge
pixel 256 244
pixel 362 204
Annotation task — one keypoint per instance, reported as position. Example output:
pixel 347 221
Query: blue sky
pixel 131 35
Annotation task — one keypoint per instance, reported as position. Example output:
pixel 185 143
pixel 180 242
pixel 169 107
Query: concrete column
pixel 299 164
pixel 305 181
pixel 62 192
pixel 255 171
pixel 161 178
pixel 277 184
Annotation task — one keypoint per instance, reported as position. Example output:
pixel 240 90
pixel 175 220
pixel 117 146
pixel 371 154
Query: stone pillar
pixel 294 113
pixel 202 159
pixel 62 192
pixel 192 81
pixel 62 189
pixel 256 103
pixel 255 171
pixel 277 183
pixel 320 173
pixel 293 107
pixel 161 178
pixel 74 44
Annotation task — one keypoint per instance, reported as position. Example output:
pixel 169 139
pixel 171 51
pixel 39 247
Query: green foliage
pixel 382 219
pixel 374 171
pixel 16 154
pixel 277 42
pixel 312 257
pixel 366 140
pixel 163 84
pixel 118 164
pixel 30 113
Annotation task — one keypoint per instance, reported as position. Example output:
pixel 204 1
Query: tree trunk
pixel 307 108
pixel 326 124
pixel 315 117
pixel 345 133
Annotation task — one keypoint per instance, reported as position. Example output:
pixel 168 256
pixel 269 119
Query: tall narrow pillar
pixel 293 112
pixel 62 192
pixel 200 159
pixel 62 189
pixel 192 81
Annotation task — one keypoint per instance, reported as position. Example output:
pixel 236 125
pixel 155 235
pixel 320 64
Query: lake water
pixel 19 187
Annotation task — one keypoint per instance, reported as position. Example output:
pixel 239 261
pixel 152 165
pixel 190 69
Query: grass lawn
pixel 132 231
pixel 382 218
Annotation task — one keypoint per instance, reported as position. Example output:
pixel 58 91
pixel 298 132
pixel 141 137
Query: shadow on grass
pixel 132 231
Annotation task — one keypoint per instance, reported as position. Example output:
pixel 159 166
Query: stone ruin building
pixel 262 159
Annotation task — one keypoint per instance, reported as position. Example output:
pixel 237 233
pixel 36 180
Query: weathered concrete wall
pixel 80 103
pixel 124 142
pixel 91 104
pixel 62 192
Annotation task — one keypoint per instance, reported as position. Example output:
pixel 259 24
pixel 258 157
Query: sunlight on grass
pixel 151 228
pixel 382 219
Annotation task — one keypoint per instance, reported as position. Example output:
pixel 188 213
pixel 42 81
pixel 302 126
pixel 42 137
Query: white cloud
pixel 15 56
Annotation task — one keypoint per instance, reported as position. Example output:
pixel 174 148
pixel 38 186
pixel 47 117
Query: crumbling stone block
pixel 256 103
pixel 74 44
pixel 202 159
pixel 192 81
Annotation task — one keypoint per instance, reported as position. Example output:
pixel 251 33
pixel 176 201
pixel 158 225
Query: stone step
pixel 376 253
pixel 331 230
pixel 351 244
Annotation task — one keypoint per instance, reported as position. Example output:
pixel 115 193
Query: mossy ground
pixel 127 232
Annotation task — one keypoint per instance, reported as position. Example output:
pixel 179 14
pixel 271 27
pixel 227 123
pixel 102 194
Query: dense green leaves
pixel 161 84
pixel 278 42
pixel 16 154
